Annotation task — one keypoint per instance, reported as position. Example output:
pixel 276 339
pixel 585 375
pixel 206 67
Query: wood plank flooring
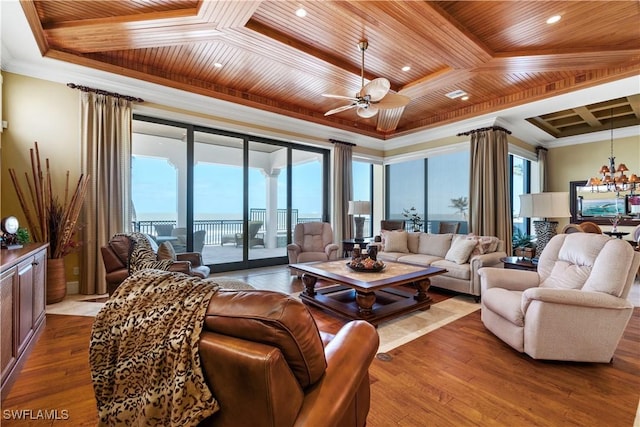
pixel 458 375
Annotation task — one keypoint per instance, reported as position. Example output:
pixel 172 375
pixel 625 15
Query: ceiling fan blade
pixel 393 100
pixel 340 109
pixel 367 112
pixel 350 98
pixel 376 89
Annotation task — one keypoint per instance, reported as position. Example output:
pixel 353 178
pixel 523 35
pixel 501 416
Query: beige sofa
pixel 461 254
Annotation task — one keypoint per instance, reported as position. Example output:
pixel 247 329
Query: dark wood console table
pixel 22 309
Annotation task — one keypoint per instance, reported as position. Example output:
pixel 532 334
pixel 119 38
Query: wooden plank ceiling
pixel 260 54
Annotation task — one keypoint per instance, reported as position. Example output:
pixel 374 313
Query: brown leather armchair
pixel 115 256
pixel 267 364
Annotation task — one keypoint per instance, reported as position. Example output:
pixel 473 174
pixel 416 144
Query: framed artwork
pixel 632 204
pixel 603 207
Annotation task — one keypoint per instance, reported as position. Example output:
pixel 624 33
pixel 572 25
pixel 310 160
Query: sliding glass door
pixel 159 180
pixel 231 197
pixel 267 201
pixel 218 170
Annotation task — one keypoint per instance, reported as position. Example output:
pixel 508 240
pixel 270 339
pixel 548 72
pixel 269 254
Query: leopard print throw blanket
pixel 144 357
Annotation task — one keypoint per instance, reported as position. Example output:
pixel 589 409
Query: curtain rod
pixel 484 129
pixel 104 92
pixel 335 141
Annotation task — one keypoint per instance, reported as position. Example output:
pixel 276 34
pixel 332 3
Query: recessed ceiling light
pixel 301 13
pixel 406 68
pixel 465 98
pixel 217 65
pixel 456 94
pixel 554 19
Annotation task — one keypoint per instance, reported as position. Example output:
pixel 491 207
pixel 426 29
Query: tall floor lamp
pixel 545 206
pixel 359 207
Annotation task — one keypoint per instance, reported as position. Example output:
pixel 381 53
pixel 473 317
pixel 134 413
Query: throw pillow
pixel 460 251
pixel 395 241
pixel 166 251
pixel 484 244
pixel 434 244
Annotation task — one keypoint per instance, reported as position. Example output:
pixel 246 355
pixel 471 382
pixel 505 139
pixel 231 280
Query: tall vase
pixel 56 280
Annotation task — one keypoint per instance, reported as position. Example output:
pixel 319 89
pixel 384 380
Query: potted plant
pixel 523 245
pixel 413 217
pixel 51 219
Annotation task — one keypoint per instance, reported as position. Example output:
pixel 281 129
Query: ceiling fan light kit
pixel 372 97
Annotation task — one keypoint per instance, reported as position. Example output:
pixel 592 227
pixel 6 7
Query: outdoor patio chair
pixel 180 245
pixel 255 238
pixel 163 229
pixel 448 227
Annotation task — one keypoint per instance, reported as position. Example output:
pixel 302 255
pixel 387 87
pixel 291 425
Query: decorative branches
pixel 49 219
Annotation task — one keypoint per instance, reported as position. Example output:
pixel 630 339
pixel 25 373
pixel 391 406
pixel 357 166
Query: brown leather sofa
pixel 267 364
pixel 115 256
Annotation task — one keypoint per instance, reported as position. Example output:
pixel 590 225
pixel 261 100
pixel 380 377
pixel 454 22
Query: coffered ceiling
pixel 260 54
pixel 607 115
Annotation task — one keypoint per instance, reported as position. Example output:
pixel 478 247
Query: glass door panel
pixel 159 181
pixel 267 183
pixel 307 202
pixel 218 197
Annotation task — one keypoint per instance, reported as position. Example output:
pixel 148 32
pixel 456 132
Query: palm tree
pixel 461 204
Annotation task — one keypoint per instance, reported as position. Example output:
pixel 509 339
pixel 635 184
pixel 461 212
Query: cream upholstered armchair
pixel 312 241
pixel 573 308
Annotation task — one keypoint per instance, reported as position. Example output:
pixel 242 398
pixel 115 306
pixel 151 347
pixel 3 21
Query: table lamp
pixel 545 206
pixel 359 207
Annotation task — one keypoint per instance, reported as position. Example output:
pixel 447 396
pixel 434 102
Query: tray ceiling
pixel 260 54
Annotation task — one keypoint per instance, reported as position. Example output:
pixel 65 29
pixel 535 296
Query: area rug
pixel 401 330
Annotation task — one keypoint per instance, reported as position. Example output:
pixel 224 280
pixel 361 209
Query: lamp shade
pixel 545 205
pixel 359 207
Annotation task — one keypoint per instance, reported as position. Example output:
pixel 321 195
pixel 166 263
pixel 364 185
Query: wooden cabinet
pixel 22 307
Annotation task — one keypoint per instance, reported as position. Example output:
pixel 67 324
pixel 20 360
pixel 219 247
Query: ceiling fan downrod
pixel 362 45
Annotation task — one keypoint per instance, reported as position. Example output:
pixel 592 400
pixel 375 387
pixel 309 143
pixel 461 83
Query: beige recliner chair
pixel 312 241
pixel 573 308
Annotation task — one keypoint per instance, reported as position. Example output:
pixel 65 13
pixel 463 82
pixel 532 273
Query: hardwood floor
pixel 458 375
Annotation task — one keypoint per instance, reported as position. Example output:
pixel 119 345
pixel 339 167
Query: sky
pixel 218 189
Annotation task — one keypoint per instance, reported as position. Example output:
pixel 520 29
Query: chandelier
pixel 611 178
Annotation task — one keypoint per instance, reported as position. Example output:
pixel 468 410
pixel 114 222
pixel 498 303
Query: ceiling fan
pixel 372 97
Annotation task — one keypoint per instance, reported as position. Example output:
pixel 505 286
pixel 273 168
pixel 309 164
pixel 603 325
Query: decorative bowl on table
pixel 366 265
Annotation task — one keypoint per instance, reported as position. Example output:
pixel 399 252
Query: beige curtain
pixel 490 201
pixel 542 165
pixel 106 157
pixel 343 185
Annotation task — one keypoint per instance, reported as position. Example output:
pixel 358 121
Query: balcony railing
pixel 216 228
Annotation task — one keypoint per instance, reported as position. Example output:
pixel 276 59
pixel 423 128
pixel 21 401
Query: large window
pixel 437 187
pixel 231 197
pixel 520 184
pixel 405 188
pixel 448 190
pixel 363 189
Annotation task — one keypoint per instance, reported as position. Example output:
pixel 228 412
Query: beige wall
pixel 46 112
pixel 580 162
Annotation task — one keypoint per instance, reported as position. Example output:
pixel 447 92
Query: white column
pixel 271 226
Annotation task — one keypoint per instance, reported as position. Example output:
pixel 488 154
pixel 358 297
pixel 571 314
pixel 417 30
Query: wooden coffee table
pixel 371 296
